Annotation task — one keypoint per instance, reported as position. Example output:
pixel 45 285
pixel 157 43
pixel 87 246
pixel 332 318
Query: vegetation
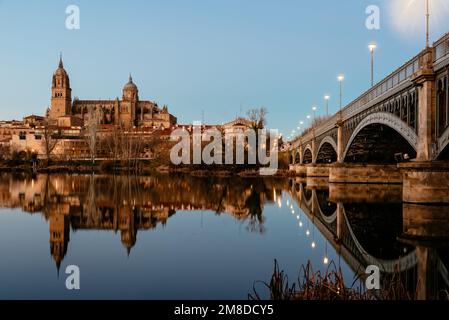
pixel 50 139
pixel 329 286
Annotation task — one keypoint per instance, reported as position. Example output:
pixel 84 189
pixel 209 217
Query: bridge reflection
pixel 370 225
pixel 365 224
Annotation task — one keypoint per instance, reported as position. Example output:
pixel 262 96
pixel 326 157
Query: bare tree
pixel 112 142
pixel 91 133
pixel 258 117
pixel 50 139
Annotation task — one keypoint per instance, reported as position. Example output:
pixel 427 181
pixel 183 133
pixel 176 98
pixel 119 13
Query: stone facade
pixel 129 112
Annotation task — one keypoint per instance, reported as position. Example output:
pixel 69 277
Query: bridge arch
pixel 353 245
pixel 297 157
pixel 328 216
pixel 390 266
pixel 308 155
pixel 327 151
pixel 443 146
pixel 381 132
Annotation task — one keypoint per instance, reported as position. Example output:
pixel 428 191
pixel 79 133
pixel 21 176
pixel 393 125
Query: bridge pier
pixel 366 174
pixel 425 227
pixel 425 182
pixel 299 169
pixel 424 79
pixel 365 193
pixel 425 222
pixel 340 143
pixel 340 221
pixel 318 170
pixel 318 183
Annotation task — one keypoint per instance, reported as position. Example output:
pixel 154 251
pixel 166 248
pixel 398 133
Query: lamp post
pixel 372 46
pixel 314 109
pixel 341 78
pixel 326 99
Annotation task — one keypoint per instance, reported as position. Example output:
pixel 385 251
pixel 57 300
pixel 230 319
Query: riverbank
pixel 141 167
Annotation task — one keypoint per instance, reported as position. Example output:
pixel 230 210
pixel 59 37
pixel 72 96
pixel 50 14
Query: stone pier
pixel 425 182
pixel 366 193
pixel 318 170
pixel 359 173
pixel 299 169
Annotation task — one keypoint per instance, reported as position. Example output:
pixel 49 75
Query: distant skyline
pixel 223 57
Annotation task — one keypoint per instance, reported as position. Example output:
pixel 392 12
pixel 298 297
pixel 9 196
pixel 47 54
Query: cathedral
pixel 129 112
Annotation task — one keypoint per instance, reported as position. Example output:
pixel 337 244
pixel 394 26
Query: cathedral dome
pixel 130 85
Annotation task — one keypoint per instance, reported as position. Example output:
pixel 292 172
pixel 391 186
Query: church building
pixel 129 112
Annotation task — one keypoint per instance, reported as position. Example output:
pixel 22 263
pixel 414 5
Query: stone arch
pixel 443 146
pixel 390 266
pixel 297 157
pixel 328 218
pixel 326 141
pixel 389 120
pixel 307 156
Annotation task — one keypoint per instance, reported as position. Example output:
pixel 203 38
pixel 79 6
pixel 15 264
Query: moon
pixel 408 17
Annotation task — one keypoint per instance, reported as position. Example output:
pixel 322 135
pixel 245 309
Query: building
pixel 129 112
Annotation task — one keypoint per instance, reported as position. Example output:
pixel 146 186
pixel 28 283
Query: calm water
pixel 181 237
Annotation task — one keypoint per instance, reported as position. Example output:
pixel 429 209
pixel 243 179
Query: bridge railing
pixel 392 81
pixel 442 48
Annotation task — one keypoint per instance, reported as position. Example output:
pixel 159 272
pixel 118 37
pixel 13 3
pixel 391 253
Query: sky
pixel 220 57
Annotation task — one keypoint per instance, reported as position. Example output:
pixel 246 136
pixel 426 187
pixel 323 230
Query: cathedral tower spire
pixel 61 93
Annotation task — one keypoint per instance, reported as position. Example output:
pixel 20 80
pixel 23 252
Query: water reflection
pixel 355 225
pixel 129 204
pixel 370 225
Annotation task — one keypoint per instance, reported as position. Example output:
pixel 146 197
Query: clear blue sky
pixel 221 56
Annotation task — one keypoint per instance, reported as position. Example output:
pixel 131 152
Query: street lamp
pixel 314 109
pixel 372 46
pixel 327 98
pixel 341 78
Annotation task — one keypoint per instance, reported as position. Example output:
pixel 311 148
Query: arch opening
pixel 307 193
pixel 308 158
pixel 379 144
pixel 297 157
pixel 327 207
pixel 376 231
pixel 444 155
pixel 326 154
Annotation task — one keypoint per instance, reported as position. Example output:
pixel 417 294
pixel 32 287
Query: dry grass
pixel 327 286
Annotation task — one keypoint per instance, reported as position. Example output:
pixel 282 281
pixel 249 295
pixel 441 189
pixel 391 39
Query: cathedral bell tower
pixel 128 105
pixel 61 94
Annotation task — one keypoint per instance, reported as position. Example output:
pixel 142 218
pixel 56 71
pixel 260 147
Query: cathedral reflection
pixel 365 224
pixel 129 204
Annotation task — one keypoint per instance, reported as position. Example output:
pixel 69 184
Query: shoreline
pixel 143 169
